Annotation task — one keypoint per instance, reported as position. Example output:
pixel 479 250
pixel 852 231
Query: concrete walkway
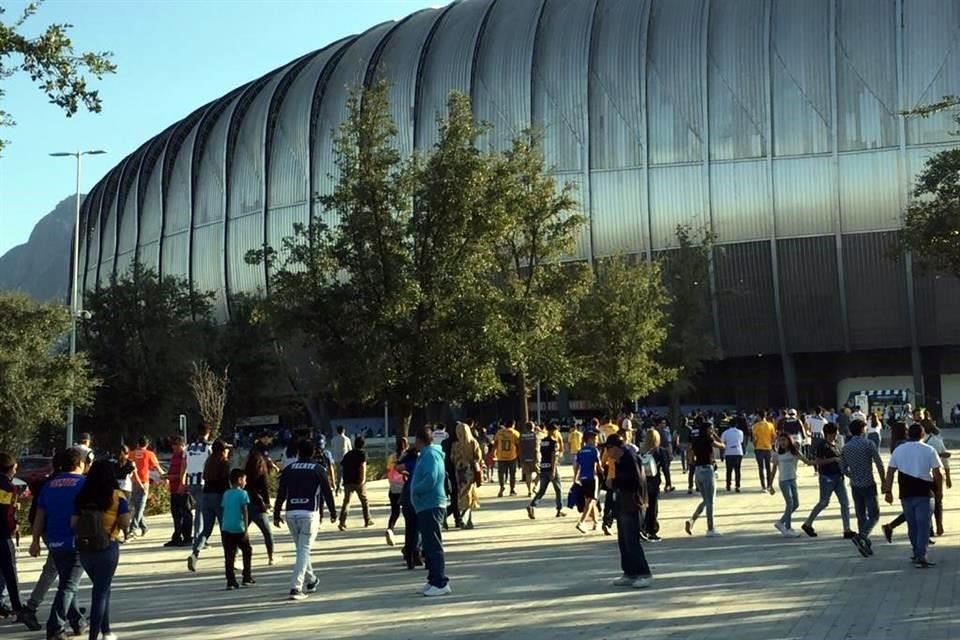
pixel 517 578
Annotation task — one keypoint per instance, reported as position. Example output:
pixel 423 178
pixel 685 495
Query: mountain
pixel 41 267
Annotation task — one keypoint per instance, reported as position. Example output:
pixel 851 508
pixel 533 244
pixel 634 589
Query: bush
pixel 158 502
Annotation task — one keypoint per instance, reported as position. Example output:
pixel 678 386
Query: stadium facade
pixel 774 122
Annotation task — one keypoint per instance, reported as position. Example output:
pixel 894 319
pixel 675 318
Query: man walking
pixel 815 423
pixel 732 438
pixel 301 483
pixel 340 446
pixel 506 443
pixel 858 459
pixel 919 479
pixel 179 496
pixel 826 457
pixel 197 453
pixel 630 484
pixel 354 466
pixel 764 434
pixel 549 471
pixel 429 497
pixel 144 461
pixel 55 508
pixel 528 455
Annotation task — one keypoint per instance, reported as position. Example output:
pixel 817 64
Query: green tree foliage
pixel 538 292
pixel 690 337
pixel 50 62
pixel 38 379
pixel 394 299
pixel 619 332
pixel 931 223
pixel 143 334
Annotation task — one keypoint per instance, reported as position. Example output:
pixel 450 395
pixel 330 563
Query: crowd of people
pixel 87 508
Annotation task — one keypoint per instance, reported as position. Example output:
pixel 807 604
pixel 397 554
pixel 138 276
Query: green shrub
pixel 158 501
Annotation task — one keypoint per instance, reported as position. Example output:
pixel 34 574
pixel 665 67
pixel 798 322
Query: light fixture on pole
pixel 74 302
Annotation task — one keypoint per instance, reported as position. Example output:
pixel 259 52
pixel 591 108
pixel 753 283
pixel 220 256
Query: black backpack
pixel 91 536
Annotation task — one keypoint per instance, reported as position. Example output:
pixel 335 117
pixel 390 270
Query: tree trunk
pixel 524 392
pixel 406 417
pixel 674 406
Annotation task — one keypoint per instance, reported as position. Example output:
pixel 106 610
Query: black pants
pixel 733 469
pixel 666 471
pixel 764 467
pixel 652 512
pixel 394 509
pixel 8 568
pixel 507 468
pixel 361 491
pixel 610 507
pixel 182 517
pixel 452 488
pixel 632 559
pixel 411 536
pixel 232 542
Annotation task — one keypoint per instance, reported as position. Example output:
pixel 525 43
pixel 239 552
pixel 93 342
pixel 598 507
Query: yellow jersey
pixel 507 443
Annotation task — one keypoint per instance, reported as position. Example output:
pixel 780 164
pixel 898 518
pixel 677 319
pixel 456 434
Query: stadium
pixel 775 123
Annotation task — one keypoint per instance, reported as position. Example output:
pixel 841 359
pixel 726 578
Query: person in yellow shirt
pixel 609 465
pixel 764 434
pixel 607 429
pixel 507 444
pixel 574 440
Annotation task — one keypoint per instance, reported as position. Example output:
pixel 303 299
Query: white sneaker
pixel 422 588
pixel 624 581
pixel 779 527
pixel 713 533
pixel 791 533
pixel 431 590
pixel 297 595
pixel 642 583
pixel 192 562
pixel 389 536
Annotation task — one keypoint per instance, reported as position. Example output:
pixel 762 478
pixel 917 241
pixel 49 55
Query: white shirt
pixel 937 443
pixel 815 424
pixel 858 415
pixel 197 454
pixel 340 444
pixel 915 459
pixel 732 439
pixel 786 466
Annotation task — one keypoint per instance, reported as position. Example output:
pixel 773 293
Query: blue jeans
pixel 547 478
pixel 100 567
pixel 262 521
pixel 632 559
pixel 428 524
pixel 708 493
pixel 866 507
pixel 791 501
pixel 917 513
pixel 832 485
pixel 138 504
pixel 875 439
pixel 212 510
pixel 69 572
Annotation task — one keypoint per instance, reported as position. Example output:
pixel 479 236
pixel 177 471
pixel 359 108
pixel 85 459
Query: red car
pixel 32 469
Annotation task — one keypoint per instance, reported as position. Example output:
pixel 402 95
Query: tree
pixel 395 300
pixel 931 222
pixel 143 334
pixel 538 291
pixel 619 331
pixel 210 391
pixel 50 61
pixel 38 380
pixel 689 336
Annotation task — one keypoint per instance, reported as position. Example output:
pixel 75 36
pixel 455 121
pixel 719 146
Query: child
pixel 233 529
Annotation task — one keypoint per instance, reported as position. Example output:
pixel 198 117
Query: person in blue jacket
pixel 429 501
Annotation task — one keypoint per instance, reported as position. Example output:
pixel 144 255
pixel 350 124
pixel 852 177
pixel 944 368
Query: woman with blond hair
pixel 466 460
pixel 654 459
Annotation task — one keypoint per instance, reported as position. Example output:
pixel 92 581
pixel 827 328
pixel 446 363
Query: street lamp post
pixel 74 301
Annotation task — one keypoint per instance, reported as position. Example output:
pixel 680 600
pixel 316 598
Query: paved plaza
pixel 517 578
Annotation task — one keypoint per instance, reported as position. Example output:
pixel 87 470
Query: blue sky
pixel 172 56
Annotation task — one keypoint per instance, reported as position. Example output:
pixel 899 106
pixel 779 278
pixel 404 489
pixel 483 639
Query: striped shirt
pixel 197 453
pixel 859 458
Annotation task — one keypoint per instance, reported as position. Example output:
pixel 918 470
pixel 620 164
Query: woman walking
pixel 259 509
pixel 396 479
pixel 216 480
pixel 654 461
pixel 786 463
pixel 411 536
pixel 101 515
pixel 467 459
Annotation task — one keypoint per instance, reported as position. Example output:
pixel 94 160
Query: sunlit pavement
pixel 513 577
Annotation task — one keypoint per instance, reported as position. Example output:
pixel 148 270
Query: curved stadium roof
pixel 773 121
